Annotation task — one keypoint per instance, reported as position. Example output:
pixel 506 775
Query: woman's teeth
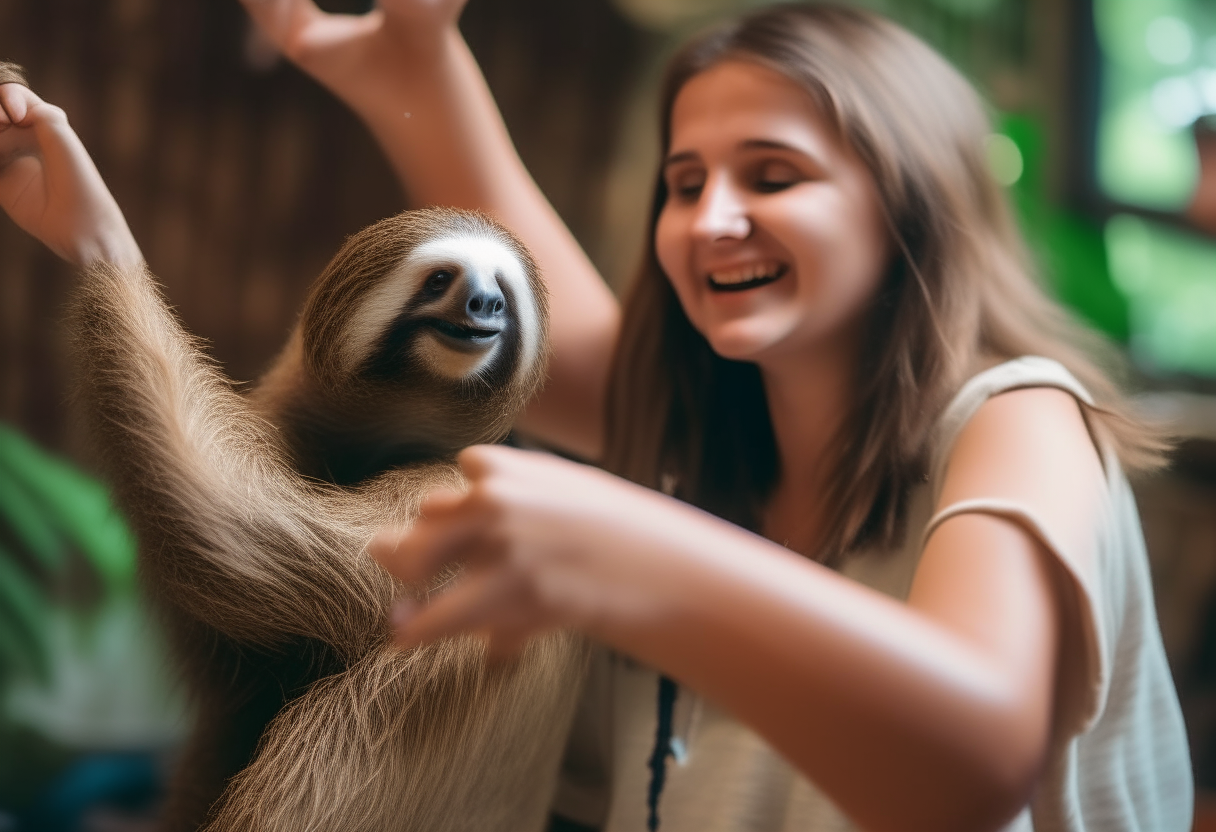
pixel 747 277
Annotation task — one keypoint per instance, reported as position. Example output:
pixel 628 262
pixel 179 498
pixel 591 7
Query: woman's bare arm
pixel 934 714
pixel 405 70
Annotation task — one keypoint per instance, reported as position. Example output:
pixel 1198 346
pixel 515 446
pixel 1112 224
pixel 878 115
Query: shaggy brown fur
pixel 11 73
pixel 308 718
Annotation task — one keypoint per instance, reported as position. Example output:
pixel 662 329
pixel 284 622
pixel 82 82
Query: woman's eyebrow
pixel 683 156
pixel 812 154
pixel 768 144
pixel 746 144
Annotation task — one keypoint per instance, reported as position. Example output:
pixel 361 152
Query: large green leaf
pixel 59 508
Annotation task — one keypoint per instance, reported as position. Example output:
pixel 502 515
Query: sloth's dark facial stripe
pixel 393 353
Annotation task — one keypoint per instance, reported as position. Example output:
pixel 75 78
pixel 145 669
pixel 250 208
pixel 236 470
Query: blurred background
pixel 240 178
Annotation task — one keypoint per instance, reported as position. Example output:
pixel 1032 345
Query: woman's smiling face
pixel 772 234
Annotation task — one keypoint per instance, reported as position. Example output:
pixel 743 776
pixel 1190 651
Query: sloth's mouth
pixel 460 332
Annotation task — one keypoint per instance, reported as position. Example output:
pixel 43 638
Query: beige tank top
pixel 1118 758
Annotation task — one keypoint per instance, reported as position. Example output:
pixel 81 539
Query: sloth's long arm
pixel 228 532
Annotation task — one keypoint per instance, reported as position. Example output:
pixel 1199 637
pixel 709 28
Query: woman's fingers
pixel 506 645
pixel 12 78
pixel 23 192
pixel 498 470
pixel 517 577
pixel 423 12
pixel 282 20
pixel 445 533
pixel 479 462
pixel 15 103
pixel 12 105
pixel 50 187
pixel 319 42
pixel 483 600
pixel 48 135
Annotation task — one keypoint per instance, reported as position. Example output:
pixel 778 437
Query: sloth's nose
pixel 485 303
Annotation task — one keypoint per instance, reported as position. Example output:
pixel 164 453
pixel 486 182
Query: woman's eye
pixel 685 186
pixel 776 176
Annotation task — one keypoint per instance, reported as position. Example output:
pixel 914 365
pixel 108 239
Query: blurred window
pixel 1156 158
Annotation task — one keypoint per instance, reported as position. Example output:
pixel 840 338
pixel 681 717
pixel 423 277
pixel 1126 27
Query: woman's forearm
pixel 865 695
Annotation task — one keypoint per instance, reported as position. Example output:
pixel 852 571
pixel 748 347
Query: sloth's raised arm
pixel 234 537
pixel 231 534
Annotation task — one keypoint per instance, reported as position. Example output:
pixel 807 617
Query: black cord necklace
pixel 662 750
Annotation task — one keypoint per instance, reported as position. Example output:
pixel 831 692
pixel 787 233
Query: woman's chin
pixel 741 346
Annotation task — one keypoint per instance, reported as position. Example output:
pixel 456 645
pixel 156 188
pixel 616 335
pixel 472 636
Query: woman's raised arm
pixel 406 71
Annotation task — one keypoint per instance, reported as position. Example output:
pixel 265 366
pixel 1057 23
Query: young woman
pixel 900 560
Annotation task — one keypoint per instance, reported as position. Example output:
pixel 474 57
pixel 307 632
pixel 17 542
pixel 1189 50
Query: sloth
pixel 426 333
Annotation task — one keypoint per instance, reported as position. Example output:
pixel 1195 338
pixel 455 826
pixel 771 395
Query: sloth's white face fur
pixel 476 260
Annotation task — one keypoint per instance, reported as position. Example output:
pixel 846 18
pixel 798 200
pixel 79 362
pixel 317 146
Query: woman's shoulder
pixel 1021 447
pixel 999 377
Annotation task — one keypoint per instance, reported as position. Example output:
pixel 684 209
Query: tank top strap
pixel 1027 371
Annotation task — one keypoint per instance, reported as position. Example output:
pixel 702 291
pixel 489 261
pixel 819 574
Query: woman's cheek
pixel 669 243
pixel 672 251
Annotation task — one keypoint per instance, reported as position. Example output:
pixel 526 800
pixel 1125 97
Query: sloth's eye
pixel 438 282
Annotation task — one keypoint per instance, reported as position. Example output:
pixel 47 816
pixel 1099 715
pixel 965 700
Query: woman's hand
pixel 545 543
pixel 50 187
pixel 357 56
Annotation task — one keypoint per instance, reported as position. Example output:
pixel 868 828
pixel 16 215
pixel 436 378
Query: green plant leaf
pixel 24 617
pixel 59 508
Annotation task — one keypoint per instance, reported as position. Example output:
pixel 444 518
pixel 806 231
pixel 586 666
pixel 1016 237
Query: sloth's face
pixel 425 334
pixel 459 308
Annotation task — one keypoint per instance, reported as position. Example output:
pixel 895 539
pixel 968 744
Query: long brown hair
pixel 959 293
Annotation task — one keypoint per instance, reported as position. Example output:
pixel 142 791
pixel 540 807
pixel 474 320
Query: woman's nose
pixel 721 211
